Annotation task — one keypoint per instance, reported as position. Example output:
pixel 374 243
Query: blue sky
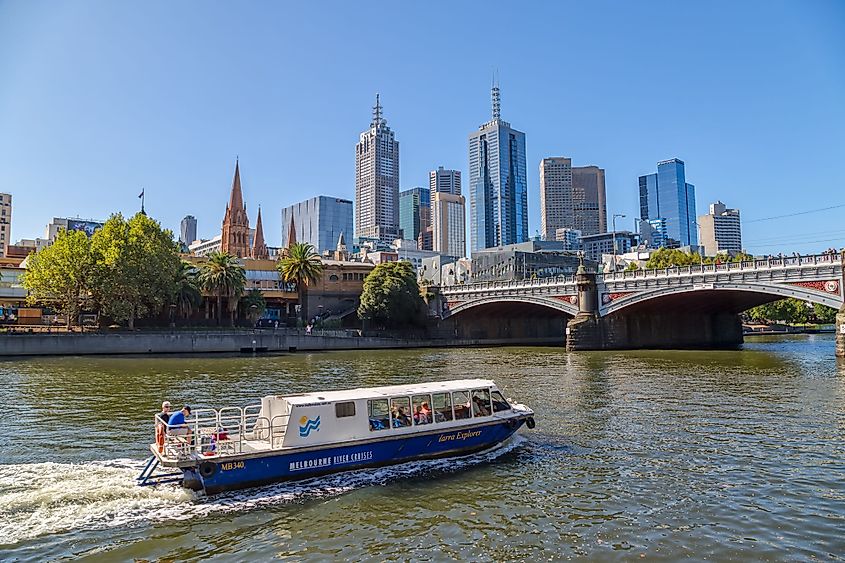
pixel 99 99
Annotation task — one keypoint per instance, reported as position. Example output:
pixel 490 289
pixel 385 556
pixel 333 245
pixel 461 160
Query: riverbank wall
pixel 190 342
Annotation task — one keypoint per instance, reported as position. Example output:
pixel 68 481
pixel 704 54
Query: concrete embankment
pixel 181 342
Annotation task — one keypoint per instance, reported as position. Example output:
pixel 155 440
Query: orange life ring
pixel 160 437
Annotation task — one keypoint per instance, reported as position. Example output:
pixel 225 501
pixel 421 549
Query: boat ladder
pixel 149 478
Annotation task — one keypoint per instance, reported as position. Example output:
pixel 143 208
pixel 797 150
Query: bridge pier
pixel 840 333
pixel 646 329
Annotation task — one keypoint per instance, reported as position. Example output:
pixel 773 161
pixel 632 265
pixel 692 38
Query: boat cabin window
pixel 379 414
pixel 442 407
pixel 481 402
pixel 499 402
pixel 461 401
pixel 422 409
pixel 400 411
pixel 342 410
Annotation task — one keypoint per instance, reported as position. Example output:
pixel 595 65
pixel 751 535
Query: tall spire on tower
pixel 494 92
pixel 259 247
pixel 291 233
pixel 377 118
pixel 236 199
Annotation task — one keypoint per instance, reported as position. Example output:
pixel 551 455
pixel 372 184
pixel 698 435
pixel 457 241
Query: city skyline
pixel 187 115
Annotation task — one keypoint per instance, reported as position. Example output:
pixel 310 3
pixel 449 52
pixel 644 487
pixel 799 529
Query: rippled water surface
pixel 661 455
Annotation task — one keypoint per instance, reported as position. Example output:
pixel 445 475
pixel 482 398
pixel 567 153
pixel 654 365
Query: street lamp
pixel 613 221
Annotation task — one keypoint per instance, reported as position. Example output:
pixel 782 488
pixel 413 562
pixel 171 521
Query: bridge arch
pixel 722 298
pixel 564 306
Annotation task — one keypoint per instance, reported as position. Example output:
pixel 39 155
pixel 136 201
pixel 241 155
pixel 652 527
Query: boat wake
pixel 48 498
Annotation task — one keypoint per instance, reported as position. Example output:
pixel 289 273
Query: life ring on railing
pixel 160 437
pixel 207 469
pixel 529 422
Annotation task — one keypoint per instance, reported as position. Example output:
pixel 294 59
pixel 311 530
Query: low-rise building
pixel 524 260
pixel 596 245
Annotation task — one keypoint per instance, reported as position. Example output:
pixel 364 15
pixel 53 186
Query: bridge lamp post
pixel 613 222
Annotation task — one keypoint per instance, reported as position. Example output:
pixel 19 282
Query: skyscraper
pixel 556 198
pixel 720 230
pixel 377 181
pixel 5 222
pixel 589 201
pixel 445 181
pixel 667 195
pixel 571 197
pixel 188 230
pixel 319 221
pixel 497 183
pixel 414 212
pixel 449 222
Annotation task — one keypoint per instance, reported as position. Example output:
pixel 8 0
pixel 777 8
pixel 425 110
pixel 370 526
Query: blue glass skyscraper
pixel 668 197
pixel 497 184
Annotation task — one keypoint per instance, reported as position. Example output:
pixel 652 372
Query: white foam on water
pixel 48 498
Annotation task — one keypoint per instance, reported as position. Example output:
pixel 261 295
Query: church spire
pixel 291 233
pixel 259 248
pixel 236 199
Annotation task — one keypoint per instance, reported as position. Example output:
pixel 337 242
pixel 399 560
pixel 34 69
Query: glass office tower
pixel 414 212
pixel 497 183
pixel 319 221
pixel 667 196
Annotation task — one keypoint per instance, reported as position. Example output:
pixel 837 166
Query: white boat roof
pixel 390 391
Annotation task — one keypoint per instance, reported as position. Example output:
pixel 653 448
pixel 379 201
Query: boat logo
pixel 306 425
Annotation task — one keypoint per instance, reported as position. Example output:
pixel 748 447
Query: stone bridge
pixel 690 306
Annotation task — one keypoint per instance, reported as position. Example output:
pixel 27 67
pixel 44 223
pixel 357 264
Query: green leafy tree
pixel 61 274
pixel 223 276
pixel 824 314
pixel 789 311
pixel 391 296
pixel 136 263
pixel 671 257
pixel 186 296
pixel 302 266
pixel 632 267
pixel 254 304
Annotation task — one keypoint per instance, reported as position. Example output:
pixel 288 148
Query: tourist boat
pixel 305 435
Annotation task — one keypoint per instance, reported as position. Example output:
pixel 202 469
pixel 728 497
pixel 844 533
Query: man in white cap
pixel 164 415
pixel 161 424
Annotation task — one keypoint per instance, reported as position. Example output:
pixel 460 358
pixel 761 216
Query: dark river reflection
pixel 662 455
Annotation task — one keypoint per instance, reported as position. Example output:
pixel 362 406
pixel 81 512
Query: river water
pixel 649 454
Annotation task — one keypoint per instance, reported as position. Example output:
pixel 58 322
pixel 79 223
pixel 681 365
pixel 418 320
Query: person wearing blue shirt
pixel 177 425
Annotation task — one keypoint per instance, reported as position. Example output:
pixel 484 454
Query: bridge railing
pixel 795 260
pixel 756 264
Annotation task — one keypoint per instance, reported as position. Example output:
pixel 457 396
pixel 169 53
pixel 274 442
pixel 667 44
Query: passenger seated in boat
pixel 176 425
pixel 426 409
pixel 479 408
pixel 420 417
pixel 400 418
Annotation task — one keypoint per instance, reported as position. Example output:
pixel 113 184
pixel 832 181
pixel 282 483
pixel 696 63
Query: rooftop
pixel 390 391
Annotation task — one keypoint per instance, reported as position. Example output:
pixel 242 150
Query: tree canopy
pixel 672 257
pixel 136 263
pixel 391 296
pixel 790 311
pixel 61 274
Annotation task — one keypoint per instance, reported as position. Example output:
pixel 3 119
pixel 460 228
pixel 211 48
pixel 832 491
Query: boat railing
pixel 212 432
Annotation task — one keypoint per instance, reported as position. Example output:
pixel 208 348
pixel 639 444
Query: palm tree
pixel 303 267
pixel 254 304
pixel 223 276
pixel 187 293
